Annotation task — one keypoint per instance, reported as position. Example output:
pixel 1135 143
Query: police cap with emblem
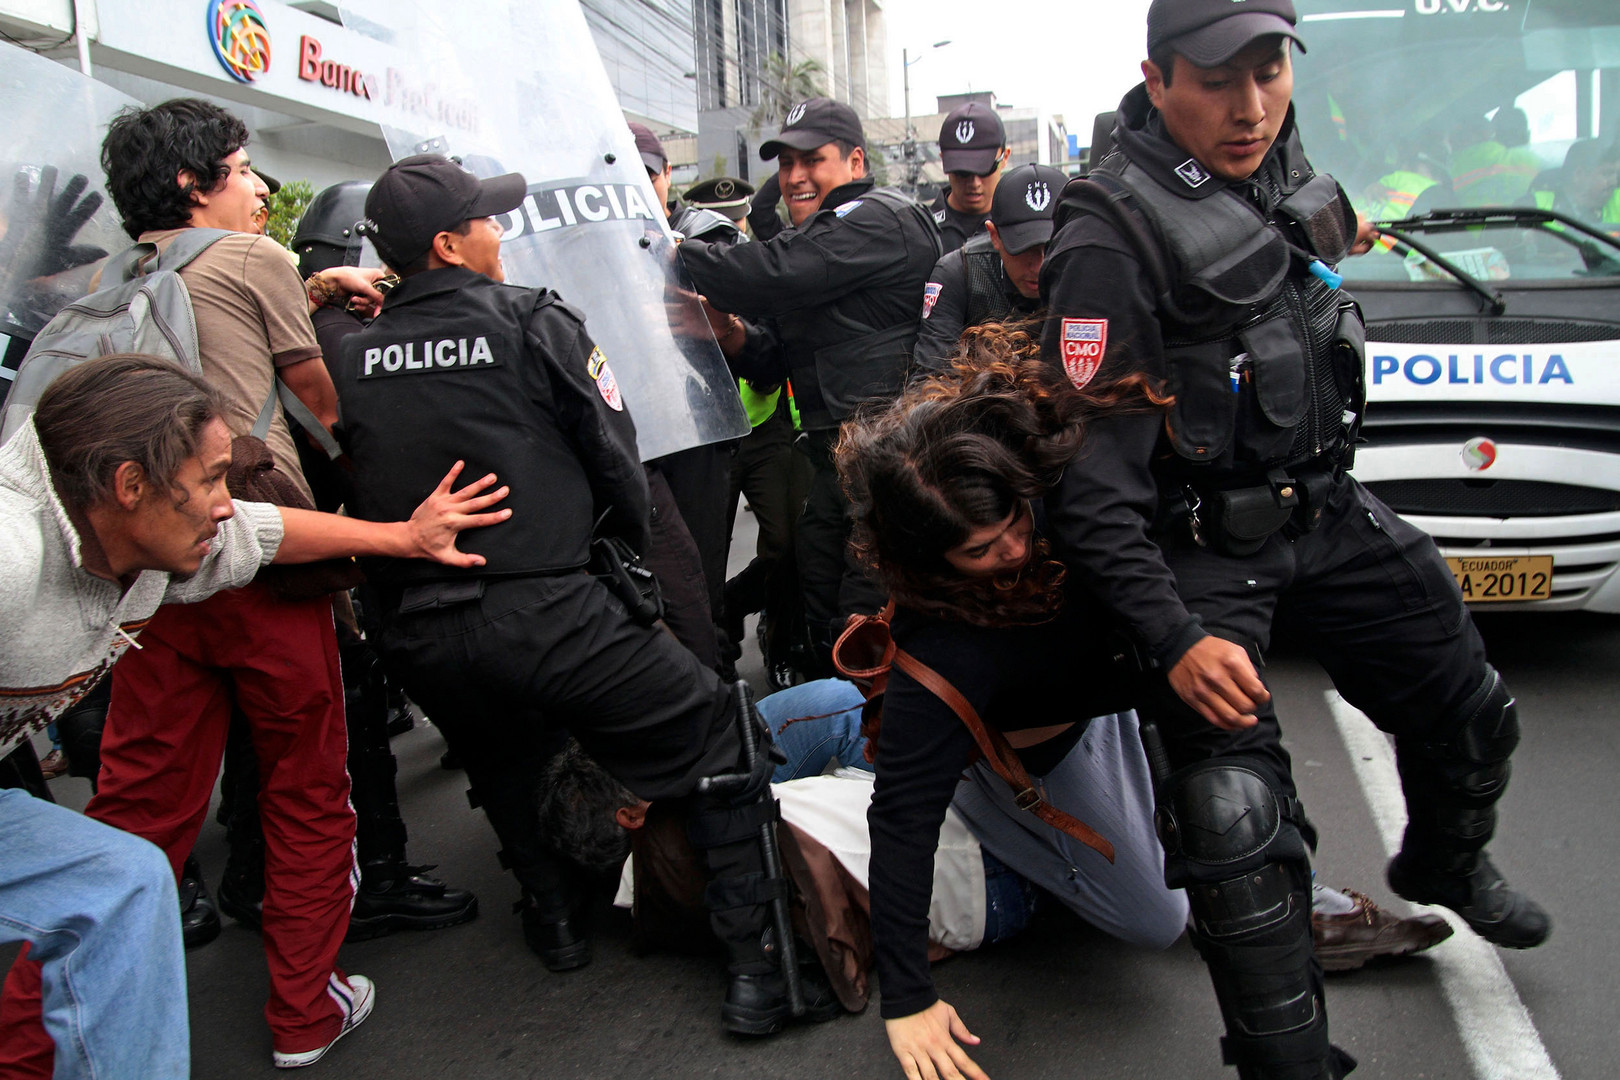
pixel 815 123
pixel 422 196
pixel 1211 32
pixel 724 194
pixel 1022 206
pixel 970 139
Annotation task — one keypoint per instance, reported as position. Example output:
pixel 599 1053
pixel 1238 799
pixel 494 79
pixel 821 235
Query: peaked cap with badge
pixel 725 194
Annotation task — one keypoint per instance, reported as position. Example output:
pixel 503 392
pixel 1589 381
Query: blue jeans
pixel 813 723
pixel 818 721
pixel 99 912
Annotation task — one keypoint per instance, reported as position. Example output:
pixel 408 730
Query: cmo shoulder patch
pixel 1084 342
pixel 931 293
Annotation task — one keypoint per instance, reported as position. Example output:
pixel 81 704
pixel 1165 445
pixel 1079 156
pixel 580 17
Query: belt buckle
pixel 1027 799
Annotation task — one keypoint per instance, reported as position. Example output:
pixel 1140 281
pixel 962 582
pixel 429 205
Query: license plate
pixel 1486 579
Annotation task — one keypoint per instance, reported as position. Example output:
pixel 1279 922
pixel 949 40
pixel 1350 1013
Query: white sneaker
pixel 364 996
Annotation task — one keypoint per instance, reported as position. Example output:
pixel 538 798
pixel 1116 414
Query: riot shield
pixel 55 223
pixel 518 86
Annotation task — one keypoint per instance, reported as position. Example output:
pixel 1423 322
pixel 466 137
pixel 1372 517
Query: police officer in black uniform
pixel 973 151
pixel 1199 253
pixel 995 276
pixel 506 655
pixel 843 286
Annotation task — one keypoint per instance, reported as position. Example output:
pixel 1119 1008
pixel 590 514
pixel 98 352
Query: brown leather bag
pixel 253 477
pixel 865 653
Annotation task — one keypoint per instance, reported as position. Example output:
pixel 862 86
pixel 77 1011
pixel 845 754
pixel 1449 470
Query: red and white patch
pixel 1084 342
pixel 931 293
pixel 606 384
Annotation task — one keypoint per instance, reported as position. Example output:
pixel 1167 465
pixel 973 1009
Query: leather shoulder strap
pixel 1001 756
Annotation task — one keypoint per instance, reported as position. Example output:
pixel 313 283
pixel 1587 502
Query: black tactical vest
pixel 987 285
pixel 865 362
pixel 1264 359
pixel 446 375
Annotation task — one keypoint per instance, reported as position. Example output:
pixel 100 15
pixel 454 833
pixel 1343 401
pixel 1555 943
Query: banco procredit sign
pixel 240 34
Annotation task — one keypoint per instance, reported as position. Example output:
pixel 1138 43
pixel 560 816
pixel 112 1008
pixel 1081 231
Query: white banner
pixel 1580 373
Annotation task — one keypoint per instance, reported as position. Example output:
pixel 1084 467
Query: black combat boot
pixel 397 896
pixel 199 918
pixel 757 1002
pixel 1452 784
pixel 557 935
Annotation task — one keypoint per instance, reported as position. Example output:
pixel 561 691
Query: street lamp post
pixel 908 147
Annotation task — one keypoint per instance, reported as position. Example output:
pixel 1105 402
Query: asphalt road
pixel 1061 1000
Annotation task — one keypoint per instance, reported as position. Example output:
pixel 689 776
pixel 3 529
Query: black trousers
pixel 537 653
pixel 503 674
pixel 834 586
pixel 1368 596
pixel 674 558
pixel 774 478
pixel 1372 600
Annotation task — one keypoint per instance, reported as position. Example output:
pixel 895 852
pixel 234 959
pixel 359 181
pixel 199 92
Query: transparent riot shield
pixel 518 86
pixel 56 225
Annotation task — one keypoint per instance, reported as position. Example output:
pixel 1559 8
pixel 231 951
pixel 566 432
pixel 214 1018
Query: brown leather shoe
pixel 1346 942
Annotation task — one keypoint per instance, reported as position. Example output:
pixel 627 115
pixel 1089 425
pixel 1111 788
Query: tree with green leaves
pixel 782 85
pixel 286 207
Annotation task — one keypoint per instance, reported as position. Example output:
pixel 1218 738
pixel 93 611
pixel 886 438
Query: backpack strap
pixel 186 247
pixel 144 258
pixel 296 410
pixel 1001 756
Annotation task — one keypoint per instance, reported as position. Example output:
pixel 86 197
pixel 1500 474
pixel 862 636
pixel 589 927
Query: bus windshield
pixel 1422 105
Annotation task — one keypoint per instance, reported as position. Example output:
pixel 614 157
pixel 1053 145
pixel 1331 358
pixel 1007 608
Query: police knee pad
pixel 1454 780
pixel 1234 841
pixel 1221 819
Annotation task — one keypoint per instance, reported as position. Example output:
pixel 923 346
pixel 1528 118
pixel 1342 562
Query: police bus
pixel 1486 131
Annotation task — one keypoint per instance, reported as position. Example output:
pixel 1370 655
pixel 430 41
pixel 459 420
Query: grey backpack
pixel 143 306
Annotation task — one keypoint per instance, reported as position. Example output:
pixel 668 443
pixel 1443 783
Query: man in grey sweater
pixel 113 502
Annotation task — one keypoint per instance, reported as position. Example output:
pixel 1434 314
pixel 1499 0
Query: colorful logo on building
pixel 240 38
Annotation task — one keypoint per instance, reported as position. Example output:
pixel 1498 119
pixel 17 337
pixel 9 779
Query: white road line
pixel 1496 1029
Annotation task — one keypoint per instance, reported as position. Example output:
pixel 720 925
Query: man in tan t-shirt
pixel 178 165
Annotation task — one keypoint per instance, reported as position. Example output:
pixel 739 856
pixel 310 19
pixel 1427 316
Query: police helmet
pixel 326 231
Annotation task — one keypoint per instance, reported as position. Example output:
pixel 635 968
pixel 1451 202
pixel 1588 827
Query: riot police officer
pixel 504 656
pixel 995 275
pixel 973 150
pixel 1199 254
pixel 843 286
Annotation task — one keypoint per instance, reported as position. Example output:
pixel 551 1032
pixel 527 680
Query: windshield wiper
pixel 1492 298
pixel 1604 254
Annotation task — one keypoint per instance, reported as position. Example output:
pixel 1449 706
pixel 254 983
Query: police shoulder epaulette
pixel 556 303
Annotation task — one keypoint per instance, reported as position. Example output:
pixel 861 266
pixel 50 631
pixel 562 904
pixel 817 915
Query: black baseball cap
pixel 422 196
pixel 1211 32
pixel 650 147
pixel 1022 206
pixel 971 139
pixel 724 194
pixel 814 123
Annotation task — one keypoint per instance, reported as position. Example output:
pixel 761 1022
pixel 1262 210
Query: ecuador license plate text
pixel 1493 578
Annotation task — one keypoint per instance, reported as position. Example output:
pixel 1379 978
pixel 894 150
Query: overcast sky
pixel 1072 57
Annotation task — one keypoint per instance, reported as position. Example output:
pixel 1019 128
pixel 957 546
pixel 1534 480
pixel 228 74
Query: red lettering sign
pixel 309 59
